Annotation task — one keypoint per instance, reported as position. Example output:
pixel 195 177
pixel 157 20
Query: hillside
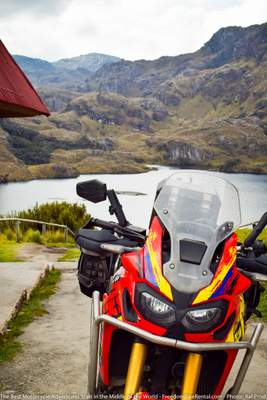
pixel 64 73
pixel 205 110
pixel 89 62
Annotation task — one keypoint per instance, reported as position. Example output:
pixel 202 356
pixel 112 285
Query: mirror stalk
pixel 116 208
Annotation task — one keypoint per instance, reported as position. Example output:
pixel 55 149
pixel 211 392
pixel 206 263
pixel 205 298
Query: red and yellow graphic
pixel 153 259
pixel 223 273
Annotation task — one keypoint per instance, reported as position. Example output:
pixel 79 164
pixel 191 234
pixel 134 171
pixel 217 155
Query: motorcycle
pixel 169 308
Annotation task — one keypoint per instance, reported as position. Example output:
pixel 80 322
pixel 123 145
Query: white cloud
pixel 130 29
pixel 34 7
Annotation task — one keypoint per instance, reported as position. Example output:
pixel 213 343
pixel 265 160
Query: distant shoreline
pixel 147 168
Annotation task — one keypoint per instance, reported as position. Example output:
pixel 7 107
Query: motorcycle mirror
pixel 92 190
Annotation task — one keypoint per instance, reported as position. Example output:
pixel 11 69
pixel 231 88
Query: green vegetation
pixel 8 250
pixel 243 233
pixel 54 236
pixel 53 170
pixel 263 303
pixel 71 255
pixel 69 244
pixel 33 308
pixel 72 215
pixel 33 236
pixel 8 235
pixel 63 213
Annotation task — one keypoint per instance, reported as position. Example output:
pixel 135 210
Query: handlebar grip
pixel 115 227
pixel 253 264
pixel 256 231
pixel 100 223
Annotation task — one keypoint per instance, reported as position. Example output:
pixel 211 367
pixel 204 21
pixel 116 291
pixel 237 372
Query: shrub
pixel 33 236
pixel 10 235
pixel 55 236
pixel 72 215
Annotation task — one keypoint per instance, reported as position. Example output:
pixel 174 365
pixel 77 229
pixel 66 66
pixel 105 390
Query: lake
pixel 22 195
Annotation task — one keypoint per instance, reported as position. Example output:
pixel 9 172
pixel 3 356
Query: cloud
pixel 54 29
pixel 32 7
pixel 215 4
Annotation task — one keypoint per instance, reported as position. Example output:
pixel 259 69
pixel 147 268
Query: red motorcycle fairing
pixel 145 266
pixel 113 305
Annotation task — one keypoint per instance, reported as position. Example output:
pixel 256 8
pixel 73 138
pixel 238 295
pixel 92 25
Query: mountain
pixel 34 65
pixel 90 62
pixel 64 73
pixel 206 109
pixel 145 78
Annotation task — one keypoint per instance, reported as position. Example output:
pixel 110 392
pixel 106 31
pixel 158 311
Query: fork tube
pixel 191 375
pixel 135 369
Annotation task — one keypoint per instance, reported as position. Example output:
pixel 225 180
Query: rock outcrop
pixel 183 154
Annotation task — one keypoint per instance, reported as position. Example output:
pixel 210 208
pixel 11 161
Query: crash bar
pixel 249 346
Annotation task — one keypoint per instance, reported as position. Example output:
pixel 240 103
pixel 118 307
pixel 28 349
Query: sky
pixel 130 29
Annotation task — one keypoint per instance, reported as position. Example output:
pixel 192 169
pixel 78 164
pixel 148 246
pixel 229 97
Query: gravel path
pixel 54 360
pixel 37 252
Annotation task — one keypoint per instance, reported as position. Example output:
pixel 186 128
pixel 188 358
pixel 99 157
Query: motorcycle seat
pixel 91 240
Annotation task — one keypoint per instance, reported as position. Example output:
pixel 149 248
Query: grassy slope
pixel 8 251
pixel 71 255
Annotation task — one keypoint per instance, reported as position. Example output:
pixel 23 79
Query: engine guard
pixel 249 345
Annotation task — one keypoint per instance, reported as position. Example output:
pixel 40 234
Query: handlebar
pixel 256 231
pixel 130 231
pixel 252 264
pixel 252 253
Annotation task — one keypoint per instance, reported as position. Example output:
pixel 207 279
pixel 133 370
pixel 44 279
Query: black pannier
pixel 95 265
pixel 94 272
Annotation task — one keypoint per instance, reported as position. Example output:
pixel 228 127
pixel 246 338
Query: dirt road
pixel 40 253
pixel 54 360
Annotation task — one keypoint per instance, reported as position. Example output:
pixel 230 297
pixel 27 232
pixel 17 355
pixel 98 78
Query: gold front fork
pixel 135 370
pixel 191 375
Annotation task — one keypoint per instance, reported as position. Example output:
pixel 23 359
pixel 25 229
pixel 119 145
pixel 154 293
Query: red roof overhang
pixel 18 98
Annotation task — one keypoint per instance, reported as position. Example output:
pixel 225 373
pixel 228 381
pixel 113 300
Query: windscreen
pixel 199 211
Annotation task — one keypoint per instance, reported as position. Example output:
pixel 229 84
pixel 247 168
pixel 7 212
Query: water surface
pixel 22 195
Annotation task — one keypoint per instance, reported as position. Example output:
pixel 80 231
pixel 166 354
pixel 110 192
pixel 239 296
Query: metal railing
pixel 44 224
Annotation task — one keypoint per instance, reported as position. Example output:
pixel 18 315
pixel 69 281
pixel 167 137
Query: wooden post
pixel 66 235
pixel 43 229
pixel 17 230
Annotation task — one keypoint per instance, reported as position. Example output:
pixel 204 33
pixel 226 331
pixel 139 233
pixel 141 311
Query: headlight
pixel 156 305
pixel 202 319
pixel 202 316
pixel 155 309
